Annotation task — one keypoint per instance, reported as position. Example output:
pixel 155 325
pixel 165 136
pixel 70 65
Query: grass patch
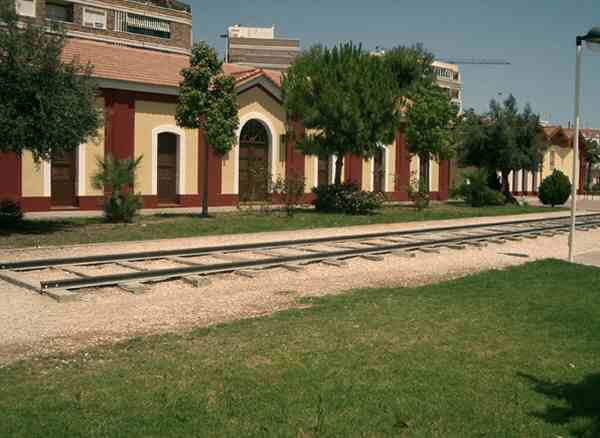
pixel 501 354
pixel 165 226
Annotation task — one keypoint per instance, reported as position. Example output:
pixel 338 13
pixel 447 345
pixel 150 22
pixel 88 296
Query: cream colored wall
pixel 391 168
pixel 94 151
pixel 563 161
pixel 148 116
pixel 434 172
pixel 256 100
pixel 32 176
pixel 310 172
pixel 367 174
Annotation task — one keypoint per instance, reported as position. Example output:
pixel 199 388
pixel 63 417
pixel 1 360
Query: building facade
pixel 448 77
pixel 137 64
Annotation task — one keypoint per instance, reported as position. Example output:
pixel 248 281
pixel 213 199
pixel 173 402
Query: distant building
pixel 258 47
pixel 448 77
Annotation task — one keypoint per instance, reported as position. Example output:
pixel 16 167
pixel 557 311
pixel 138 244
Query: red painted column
pixel 444 180
pixel 215 196
pixel 120 123
pixel 402 179
pixel 294 159
pixel 10 177
pixel 353 169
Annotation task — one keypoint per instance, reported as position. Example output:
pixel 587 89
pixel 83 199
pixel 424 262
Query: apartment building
pixel 448 77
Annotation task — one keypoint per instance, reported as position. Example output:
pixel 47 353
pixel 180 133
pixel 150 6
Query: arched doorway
pixel 254 171
pixel 167 168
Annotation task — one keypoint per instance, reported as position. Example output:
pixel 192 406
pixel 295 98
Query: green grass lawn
pixel 73 231
pixel 512 353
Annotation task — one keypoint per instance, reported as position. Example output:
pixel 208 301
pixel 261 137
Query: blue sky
pixel 537 37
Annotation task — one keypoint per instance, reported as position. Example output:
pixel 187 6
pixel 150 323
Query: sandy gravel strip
pixel 32 324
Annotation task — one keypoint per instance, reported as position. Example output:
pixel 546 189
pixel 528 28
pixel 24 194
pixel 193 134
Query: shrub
pixel 10 213
pixel 346 198
pixel 555 189
pixel 476 191
pixel 118 176
pixel 291 190
pixel 418 192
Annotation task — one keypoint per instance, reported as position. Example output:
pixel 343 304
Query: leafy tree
pixel 502 140
pixel 430 122
pixel 46 105
pixel 117 177
pixel 592 158
pixel 411 69
pixel 207 100
pixel 345 99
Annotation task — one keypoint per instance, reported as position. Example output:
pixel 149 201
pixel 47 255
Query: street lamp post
pixel 592 38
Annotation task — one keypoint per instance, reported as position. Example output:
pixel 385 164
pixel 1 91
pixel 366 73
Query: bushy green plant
pixel 494 181
pixel 418 192
pixel 346 198
pixel 555 189
pixel 290 190
pixel 117 177
pixel 10 213
pixel 476 190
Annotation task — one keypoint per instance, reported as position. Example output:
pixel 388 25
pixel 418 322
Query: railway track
pixel 194 264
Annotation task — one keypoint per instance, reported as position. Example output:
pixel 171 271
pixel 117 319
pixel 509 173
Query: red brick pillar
pixel 294 159
pixel 444 180
pixel 402 171
pixel 214 172
pixel 353 169
pixel 10 177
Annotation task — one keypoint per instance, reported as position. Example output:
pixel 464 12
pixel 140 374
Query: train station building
pixel 138 51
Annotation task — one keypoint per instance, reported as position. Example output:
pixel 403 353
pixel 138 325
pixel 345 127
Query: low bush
pixel 346 198
pixel 291 190
pixel 418 192
pixel 117 177
pixel 10 213
pixel 555 189
pixel 476 190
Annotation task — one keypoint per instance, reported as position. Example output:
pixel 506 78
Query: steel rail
pixel 164 274
pixel 203 251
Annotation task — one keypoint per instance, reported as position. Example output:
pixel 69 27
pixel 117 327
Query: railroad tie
pixel 246 273
pixel 134 288
pixel 373 257
pixel 73 270
pixel 335 262
pixel 131 266
pixel 293 268
pixel 404 254
pixel 183 261
pixel 429 250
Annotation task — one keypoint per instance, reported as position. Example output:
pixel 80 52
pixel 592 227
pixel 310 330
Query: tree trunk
pixel 339 163
pixel 506 188
pixel 205 178
pixel 424 172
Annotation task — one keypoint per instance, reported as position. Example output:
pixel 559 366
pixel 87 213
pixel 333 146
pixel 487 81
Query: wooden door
pixel 62 181
pixel 253 162
pixel 167 168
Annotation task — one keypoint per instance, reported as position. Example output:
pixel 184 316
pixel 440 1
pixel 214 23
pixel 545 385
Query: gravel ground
pixel 32 324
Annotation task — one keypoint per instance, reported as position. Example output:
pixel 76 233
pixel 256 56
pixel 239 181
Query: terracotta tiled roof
pixel 127 63
pixel 148 67
pixel 243 73
pixel 591 134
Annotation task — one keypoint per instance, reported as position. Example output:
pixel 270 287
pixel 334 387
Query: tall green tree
pixel 592 159
pixel 208 100
pixel 411 69
pixel 430 123
pixel 345 99
pixel 502 140
pixel 46 105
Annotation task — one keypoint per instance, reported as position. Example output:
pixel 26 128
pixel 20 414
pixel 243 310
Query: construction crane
pixel 477 61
